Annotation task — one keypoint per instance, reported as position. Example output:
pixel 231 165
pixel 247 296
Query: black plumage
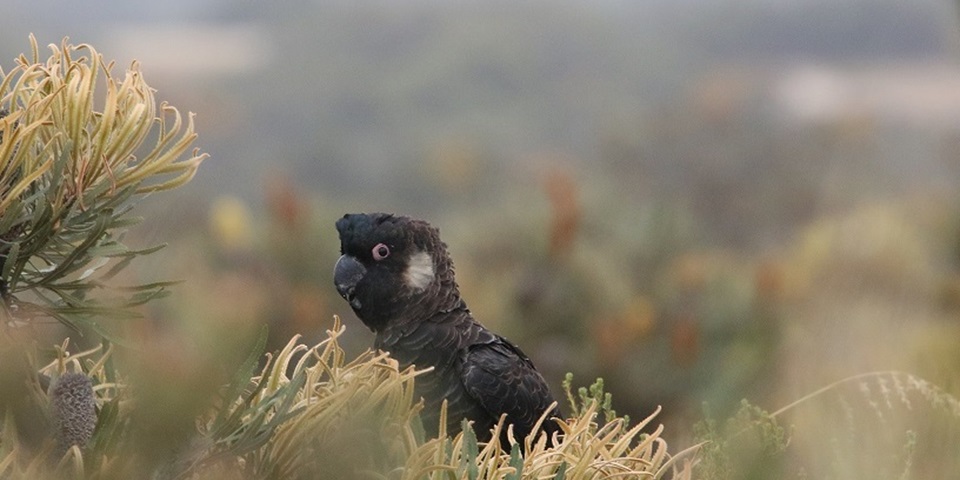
pixel 398 278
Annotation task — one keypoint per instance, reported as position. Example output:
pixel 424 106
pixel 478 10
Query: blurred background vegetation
pixel 700 201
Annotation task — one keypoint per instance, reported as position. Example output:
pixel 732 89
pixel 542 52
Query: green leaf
pixel 516 461
pixel 106 434
pixel 9 261
pixel 468 458
pixel 419 434
pixel 128 257
pixel 56 172
pixel 11 216
pixel 92 269
pixel 561 472
pixel 69 323
pixel 123 223
pixel 146 296
pixel 148 250
pixel 242 377
pixel 108 249
pixel 118 267
pixel 83 314
pixel 150 286
pixel 68 264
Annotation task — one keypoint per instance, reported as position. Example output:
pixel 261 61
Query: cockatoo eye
pixel 380 251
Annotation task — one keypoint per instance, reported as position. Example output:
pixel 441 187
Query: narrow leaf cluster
pixel 323 415
pixel 310 412
pixel 77 147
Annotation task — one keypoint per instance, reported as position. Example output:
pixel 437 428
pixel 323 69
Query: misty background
pixel 698 200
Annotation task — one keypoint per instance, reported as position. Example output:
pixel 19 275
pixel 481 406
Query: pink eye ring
pixel 380 251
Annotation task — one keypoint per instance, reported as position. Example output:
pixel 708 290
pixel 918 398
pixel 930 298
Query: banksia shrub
pixel 312 413
pixel 70 168
pixel 79 145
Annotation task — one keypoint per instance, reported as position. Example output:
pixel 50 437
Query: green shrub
pixel 70 170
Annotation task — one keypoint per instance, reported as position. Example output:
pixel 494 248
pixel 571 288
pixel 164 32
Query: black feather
pixel 480 374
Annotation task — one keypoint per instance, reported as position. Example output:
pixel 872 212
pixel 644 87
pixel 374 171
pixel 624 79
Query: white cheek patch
pixel 419 273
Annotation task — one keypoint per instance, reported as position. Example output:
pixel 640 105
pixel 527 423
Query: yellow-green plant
pixel 77 146
pixel 311 414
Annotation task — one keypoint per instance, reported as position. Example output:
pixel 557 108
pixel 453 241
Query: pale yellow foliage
pixel 72 107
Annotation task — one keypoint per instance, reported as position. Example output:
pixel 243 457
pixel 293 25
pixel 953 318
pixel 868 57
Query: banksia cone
pixel 74 411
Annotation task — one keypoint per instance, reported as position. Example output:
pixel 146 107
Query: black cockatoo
pixel 398 278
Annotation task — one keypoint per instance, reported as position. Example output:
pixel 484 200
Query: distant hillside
pixel 355 95
pixel 853 30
